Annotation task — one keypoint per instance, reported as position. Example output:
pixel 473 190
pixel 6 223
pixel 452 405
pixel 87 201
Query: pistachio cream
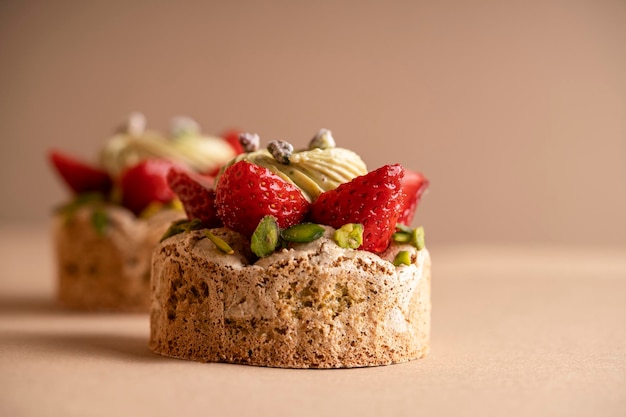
pixel 321 167
pixel 186 145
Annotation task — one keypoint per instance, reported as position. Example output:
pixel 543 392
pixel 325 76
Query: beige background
pixel 515 110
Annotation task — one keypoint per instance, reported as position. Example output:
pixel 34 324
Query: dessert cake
pixel 294 259
pixel 120 207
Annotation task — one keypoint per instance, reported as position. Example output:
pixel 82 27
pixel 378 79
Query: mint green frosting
pixel 186 145
pixel 312 171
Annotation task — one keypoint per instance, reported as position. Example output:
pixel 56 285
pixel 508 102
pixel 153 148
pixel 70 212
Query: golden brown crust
pixel 108 272
pixel 316 306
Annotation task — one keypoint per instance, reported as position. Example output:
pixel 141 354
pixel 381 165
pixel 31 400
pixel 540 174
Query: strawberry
pixel 79 176
pixel 373 200
pixel 144 183
pixel 245 193
pixel 231 136
pixel 413 185
pixel 196 193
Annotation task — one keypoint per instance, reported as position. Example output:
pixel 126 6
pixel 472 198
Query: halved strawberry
pixel 144 183
pixel 372 200
pixel 247 192
pixel 196 193
pixel 79 176
pixel 231 136
pixel 413 186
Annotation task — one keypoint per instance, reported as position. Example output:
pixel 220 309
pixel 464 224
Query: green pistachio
pixel 194 224
pixel 184 126
pixel 281 151
pixel 302 233
pixel 265 238
pixel 136 124
pixel 219 243
pixel 403 228
pixel 100 221
pixel 401 237
pixel 180 226
pixel 322 140
pixel 68 210
pixel 417 238
pixel 174 229
pixel 349 235
pixel 250 142
pixel 79 201
pixel 402 258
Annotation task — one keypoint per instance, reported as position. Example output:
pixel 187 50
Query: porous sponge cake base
pixel 109 271
pixel 319 306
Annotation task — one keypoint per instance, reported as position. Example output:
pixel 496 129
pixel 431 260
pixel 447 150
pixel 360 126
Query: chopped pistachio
pixel 401 237
pixel 302 233
pixel 67 211
pixel 417 239
pixel 403 228
pixel 174 229
pixel 184 126
pixel 193 224
pixel 322 140
pixel 180 226
pixel 402 258
pixel 156 206
pixel 79 201
pixel 100 221
pixel 265 238
pixel 280 150
pixel 219 243
pixel 136 124
pixel 349 235
pixel 250 142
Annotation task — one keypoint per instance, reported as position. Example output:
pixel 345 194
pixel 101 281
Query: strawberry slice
pixel 79 176
pixel 413 186
pixel 246 193
pixel 231 136
pixel 373 200
pixel 144 183
pixel 196 193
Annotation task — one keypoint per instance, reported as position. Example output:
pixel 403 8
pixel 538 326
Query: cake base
pixel 106 270
pixel 315 305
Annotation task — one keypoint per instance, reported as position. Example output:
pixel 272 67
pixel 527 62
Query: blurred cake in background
pixel 119 208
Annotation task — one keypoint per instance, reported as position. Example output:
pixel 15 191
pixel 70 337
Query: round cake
pixel 314 305
pixel 294 259
pixel 120 207
pixel 106 268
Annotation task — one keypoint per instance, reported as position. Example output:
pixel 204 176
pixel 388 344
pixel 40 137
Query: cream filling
pixel 200 153
pixel 312 171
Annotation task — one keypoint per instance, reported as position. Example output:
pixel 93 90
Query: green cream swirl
pixel 198 152
pixel 312 171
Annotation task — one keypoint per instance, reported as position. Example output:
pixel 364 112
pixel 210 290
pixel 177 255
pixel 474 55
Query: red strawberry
pixel 246 193
pixel 413 185
pixel 79 176
pixel 232 137
pixel 144 183
pixel 196 193
pixel 372 199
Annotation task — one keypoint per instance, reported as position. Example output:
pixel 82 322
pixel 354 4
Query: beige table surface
pixel 535 331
